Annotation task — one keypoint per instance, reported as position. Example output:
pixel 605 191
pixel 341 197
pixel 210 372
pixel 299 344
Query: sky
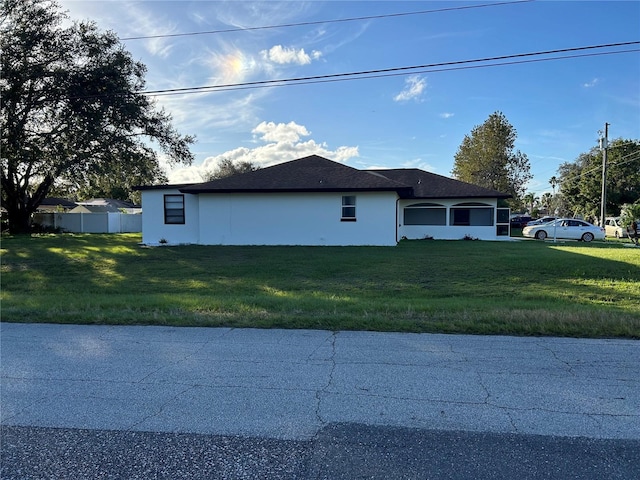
pixel 406 118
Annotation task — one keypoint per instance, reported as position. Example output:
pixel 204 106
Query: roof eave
pixel 197 191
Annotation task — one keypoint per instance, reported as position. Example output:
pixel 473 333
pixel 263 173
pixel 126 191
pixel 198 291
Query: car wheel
pixel 541 235
pixel 587 237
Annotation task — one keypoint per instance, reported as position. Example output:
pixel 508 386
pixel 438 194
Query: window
pixel 503 221
pixel 174 209
pixel 474 217
pixel 348 208
pixel 503 215
pixel 425 214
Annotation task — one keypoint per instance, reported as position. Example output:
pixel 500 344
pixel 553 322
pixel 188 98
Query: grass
pixel 519 287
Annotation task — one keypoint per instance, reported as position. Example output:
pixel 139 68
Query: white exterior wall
pixel 448 232
pixel 296 219
pixel 153 227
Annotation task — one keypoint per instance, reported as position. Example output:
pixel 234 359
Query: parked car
pixel 613 228
pixel 519 221
pixel 541 221
pixel 566 228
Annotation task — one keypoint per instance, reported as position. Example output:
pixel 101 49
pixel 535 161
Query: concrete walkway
pixel 297 385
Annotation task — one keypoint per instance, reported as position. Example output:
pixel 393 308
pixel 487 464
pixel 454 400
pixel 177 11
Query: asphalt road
pixel 157 402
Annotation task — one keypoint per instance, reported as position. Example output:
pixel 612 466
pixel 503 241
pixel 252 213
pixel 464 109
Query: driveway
pixel 314 404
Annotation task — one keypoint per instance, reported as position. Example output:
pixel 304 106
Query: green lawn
pixel 518 287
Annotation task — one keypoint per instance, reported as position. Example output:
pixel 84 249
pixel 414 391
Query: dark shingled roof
pixel 430 185
pixel 317 174
pixel 309 174
pixel 55 201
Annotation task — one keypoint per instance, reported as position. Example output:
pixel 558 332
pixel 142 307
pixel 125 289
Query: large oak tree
pixel 73 110
pixel 487 158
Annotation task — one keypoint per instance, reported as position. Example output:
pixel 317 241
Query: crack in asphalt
pixel 160 409
pixel 323 390
pixel 554 354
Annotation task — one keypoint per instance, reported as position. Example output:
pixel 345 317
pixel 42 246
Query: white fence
pixel 91 222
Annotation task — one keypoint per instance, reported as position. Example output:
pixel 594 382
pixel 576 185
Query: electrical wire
pixel 454 65
pixel 599 167
pixel 322 22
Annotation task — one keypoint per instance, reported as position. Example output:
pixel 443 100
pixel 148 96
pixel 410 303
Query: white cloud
pixel 128 19
pixel 592 83
pixel 281 132
pixel 282 55
pixel 284 144
pixel 414 86
pixel 446 115
pixel 419 163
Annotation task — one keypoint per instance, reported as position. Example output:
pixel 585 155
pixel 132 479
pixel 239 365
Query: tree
pixel 581 181
pixel 530 201
pixel 546 201
pixel 73 110
pixel 227 168
pixel 487 158
pixel 629 213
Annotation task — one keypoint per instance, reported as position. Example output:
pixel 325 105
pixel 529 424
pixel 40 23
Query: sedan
pixel 613 228
pixel 567 228
pixel 540 221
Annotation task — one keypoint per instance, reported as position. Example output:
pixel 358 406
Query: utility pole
pixel 604 144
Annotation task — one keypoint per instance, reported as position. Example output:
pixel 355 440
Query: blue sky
pixel 417 119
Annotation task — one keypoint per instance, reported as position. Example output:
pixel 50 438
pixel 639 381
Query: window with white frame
pixel 472 214
pixel 502 222
pixel 425 214
pixel 174 209
pixel 348 208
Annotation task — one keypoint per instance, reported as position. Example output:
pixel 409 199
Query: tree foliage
pixel 73 110
pixel 581 180
pixel 630 213
pixel 226 168
pixel 487 158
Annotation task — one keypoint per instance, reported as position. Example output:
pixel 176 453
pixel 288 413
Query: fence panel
pixel 91 222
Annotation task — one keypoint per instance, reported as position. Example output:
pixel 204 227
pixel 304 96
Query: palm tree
pixel 546 201
pixel 530 200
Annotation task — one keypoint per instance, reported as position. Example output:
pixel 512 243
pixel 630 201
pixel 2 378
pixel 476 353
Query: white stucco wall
pixel 296 219
pixel 448 231
pixel 153 227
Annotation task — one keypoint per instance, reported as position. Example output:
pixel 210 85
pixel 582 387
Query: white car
pixel 613 228
pixel 540 221
pixel 566 228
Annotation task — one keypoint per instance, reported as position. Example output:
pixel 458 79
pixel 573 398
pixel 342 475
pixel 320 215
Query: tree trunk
pixel 19 220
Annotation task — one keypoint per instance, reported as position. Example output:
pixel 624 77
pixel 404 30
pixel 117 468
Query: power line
pixel 454 65
pixel 321 22
pixel 616 163
pixel 449 69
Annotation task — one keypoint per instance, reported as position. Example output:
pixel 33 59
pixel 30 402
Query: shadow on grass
pixel 519 287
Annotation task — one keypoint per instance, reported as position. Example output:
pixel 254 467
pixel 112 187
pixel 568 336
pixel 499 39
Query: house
pixel 106 205
pixel 56 204
pixel 98 215
pixel 316 201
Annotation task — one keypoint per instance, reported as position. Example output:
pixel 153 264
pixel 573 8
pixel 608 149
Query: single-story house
pixel 106 205
pixel 316 201
pixel 56 204
pixel 98 215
